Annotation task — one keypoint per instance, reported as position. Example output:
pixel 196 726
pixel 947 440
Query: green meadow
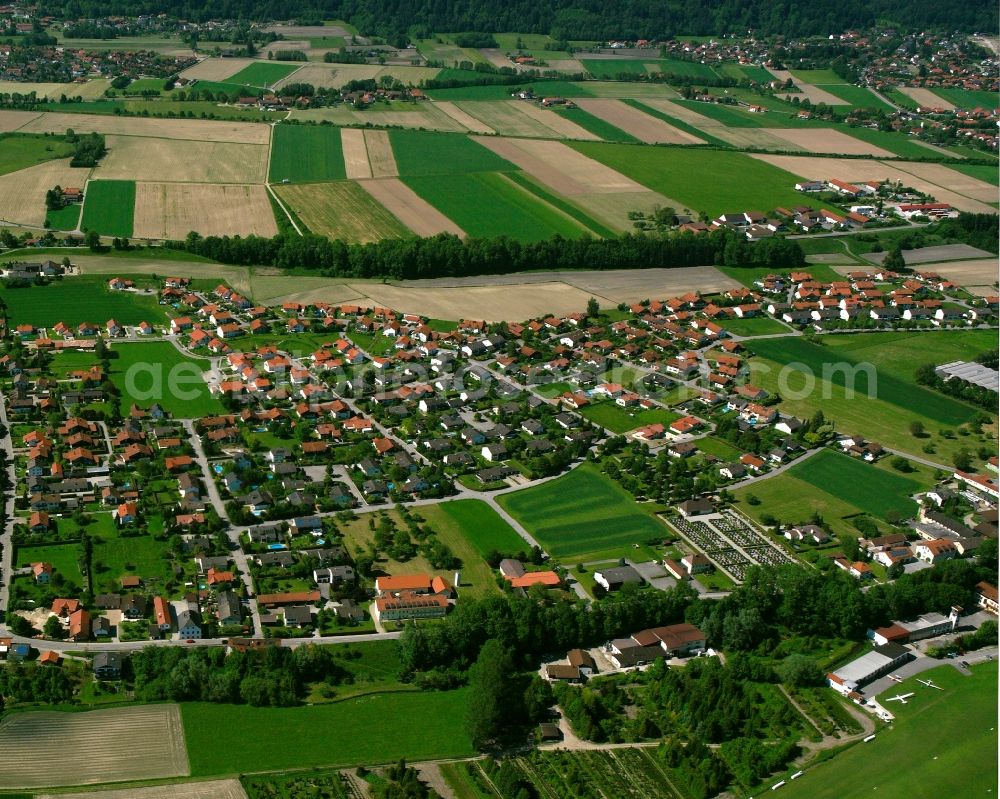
pixel 302 153
pixel 109 207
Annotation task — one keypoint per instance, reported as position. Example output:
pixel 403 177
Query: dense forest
pixel 568 19
pixel 449 256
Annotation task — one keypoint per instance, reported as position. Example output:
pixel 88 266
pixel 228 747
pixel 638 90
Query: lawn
pixel 109 206
pixel 65 559
pixel 262 74
pixel 65 218
pixel 115 557
pixel 757 326
pixel 486 204
pixel 157 372
pixel 300 153
pixel 580 513
pixel 420 153
pixel 955 730
pixel 21 150
pixel 879 377
pixel 719 448
pixel 875 491
pixel 700 179
pixel 74 300
pixel 620 420
pixel 424 726
pixel 484 528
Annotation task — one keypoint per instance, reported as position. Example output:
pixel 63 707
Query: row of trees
pixel 445 255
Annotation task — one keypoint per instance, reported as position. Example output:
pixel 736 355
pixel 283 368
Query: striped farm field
pixel 581 512
pixel 109 207
pixel 645 127
pixel 420 152
pixel 131 743
pixel 486 204
pixel 300 153
pixel 507 119
pixel 341 210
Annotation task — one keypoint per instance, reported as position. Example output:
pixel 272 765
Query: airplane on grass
pixel 900 698
pixel 930 684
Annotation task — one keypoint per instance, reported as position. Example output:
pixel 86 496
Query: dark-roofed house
pixel 107 665
pixel 614 578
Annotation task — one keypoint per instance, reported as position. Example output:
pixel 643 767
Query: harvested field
pixel 131 743
pixel 644 127
pixel 91 90
pixel 331 75
pixel 552 120
pixel 356 163
pixel 953 180
pixel 814 94
pixel 979 275
pixel 462 118
pixel 194 129
pixel 926 98
pixel 341 210
pixel 738 137
pixel 862 169
pixel 497 58
pixel 274 290
pixel 380 155
pixel 172 210
pixel 825 140
pixel 12 120
pixel 631 285
pixel 570 65
pixel 217 68
pixel 22 193
pixel 410 209
pixel 211 789
pixel 151 159
pixel 561 168
pixel 492 303
pixel 506 118
pixel 935 255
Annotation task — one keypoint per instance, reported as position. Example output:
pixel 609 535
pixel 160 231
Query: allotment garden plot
pixel 50 748
pixel 732 543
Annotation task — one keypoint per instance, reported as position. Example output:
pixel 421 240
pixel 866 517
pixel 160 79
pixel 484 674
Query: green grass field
pixel 875 491
pixel 610 68
pixel 109 206
pixel 954 731
pixel 65 559
pixel 262 74
pixel 301 153
pixel 157 372
pixel 857 96
pixel 898 143
pixel 758 326
pixel 619 420
pixel 486 204
pixel 420 153
pixel 596 125
pixel 485 529
pixel 528 183
pixel 817 76
pixel 75 300
pixel 581 513
pixel 990 174
pixel 699 179
pixel 21 150
pixel 756 73
pixel 378 728
pixel 967 98
pixel 893 383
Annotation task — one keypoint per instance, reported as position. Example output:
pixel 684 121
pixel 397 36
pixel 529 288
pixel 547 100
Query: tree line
pixel 446 255
pixel 567 19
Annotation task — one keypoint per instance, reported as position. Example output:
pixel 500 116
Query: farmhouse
pixel 614 578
